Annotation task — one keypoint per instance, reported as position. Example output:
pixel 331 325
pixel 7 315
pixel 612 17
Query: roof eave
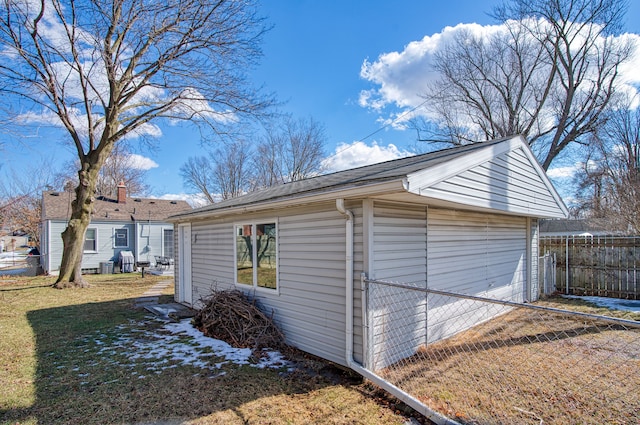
pixel 358 191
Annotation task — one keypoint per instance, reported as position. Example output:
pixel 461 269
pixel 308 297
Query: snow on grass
pixel 612 303
pixel 154 346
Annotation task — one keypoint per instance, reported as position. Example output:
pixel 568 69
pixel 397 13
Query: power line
pixel 379 129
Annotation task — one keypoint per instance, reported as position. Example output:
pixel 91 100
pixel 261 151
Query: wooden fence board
pixel 595 265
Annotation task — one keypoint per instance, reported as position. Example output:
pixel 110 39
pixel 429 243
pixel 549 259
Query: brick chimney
pixel 122 193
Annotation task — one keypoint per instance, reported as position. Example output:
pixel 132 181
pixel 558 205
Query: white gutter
pixel 351 362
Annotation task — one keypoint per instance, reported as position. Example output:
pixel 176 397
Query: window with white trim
pixel 167 242
pixel 121 238
pixel 91 240
pixel 256 255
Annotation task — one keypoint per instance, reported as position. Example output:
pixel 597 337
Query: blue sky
pixel 313 59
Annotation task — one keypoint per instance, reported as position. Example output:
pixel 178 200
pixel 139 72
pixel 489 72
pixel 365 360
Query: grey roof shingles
pixel 57 206
pixel 375 173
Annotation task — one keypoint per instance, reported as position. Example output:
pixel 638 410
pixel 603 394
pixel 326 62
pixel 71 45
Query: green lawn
pixel 88 356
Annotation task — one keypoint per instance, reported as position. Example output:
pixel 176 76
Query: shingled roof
pixel 369 174
pixel 512 170
pixel 57 206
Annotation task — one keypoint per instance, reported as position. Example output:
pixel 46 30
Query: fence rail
pixel 605 266
pixel 16 263
pixel 485 361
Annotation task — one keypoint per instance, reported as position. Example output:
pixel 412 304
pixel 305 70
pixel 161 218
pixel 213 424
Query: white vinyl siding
pixel 506 183
pixel 105 251
pixel 309 305
pixel 534 259
pixel 212 258
pixel 56 246
pixel 149 241
pixel 312 282
pixel 477 254
pixel 400 255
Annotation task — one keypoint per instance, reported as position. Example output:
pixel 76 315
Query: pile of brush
pixel 229 315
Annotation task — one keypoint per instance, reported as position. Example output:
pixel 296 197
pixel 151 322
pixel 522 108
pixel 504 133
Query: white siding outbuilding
pixel 461 219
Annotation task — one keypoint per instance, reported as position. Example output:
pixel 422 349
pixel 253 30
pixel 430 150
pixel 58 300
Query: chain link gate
pixel 482 361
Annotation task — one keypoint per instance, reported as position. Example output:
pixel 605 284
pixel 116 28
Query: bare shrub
pixel 229 315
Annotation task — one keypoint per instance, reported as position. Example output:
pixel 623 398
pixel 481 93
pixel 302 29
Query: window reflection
pixel 244 254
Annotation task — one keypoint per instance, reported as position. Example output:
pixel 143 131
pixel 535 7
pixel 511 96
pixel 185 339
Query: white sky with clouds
pixel 350 67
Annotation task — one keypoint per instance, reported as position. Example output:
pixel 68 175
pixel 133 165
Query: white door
pixel 185 294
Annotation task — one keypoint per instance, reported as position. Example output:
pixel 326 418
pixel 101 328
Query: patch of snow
pixel 175 344
pixel 612 303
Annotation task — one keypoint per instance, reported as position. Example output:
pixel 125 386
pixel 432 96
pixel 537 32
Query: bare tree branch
pixel 108 69
pixel 550 75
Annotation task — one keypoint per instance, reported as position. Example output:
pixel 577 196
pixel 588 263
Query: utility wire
pixel 380 129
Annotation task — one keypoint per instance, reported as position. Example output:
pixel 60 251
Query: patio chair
pixel 162 261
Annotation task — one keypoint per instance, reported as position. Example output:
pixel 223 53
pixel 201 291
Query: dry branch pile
pixel 230 316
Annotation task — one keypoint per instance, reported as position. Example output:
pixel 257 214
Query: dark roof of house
pixel 361 176
pixel 57 206
pixel 576 226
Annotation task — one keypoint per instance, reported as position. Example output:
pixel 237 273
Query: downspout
pixel 351 362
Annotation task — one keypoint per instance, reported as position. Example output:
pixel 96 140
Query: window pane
pixel 90 240
pixel 168 243
pixel 121 238
pixel 266 255
pixel 244 254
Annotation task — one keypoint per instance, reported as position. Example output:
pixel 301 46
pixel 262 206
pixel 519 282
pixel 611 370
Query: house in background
pixel 577 227
pixel 463 219
pixel 130 224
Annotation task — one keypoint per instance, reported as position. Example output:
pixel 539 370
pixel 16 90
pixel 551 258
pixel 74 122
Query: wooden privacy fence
pixel 605 266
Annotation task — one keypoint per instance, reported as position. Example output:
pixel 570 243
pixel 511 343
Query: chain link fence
pixel 483 361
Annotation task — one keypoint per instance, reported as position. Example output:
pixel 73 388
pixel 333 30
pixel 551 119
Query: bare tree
pixel 197 173
pixel 231 169
pixel 106 71
pixel 550 75
pixel 21 196
pixel 290 151
pixel 610 186
pixel 223 174
pixel 119 167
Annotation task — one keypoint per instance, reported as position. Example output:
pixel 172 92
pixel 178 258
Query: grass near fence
pixel 56 368
pixel 531 367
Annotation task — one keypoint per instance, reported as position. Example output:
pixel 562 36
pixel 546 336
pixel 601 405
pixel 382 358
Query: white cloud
pixel 630 71
pixel 358 154
pixel 400 78
pixel 140 162
pixel 571 170
pixel 403 76
pixel 563 172
pixel 196 200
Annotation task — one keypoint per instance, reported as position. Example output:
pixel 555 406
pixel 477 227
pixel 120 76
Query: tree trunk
pixel 74 235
